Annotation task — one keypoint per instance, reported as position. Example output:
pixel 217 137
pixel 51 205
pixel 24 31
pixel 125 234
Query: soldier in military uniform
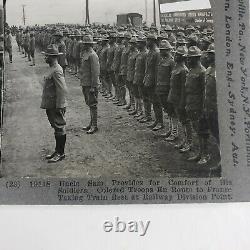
pixel 164 70
pixel 177 97
pixel 150 81
pixel 8 44
pixel 62 49
pixel 195 90
pixel 123 70
pixel 111 81
pixel 89 76
pixel 116 66
pixel 130 75
pixel 27 44
pixel 211 109
pixel 54 101
pixel 103 67
pixel 32 48
pixel 140 67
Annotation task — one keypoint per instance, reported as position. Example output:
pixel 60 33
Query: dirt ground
pixel 122 147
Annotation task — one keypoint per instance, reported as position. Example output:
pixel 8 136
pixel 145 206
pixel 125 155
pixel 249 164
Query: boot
pixel 50 156
pixel 159 126
pixel 152 125
pixel 94 127
pixel 87 128
pixel 59 155
pixel 168 130
pixel 205 157
pixel 189 138
pixel 197 156
pixel 147 111
pixel 174 133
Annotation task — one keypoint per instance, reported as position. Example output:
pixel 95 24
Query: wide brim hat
pixel 141 39
pixel 193 51
pixel 211 49
pixel 133 40
pixel 181 50
pixel 168 28
pixel 88 39
pixel 165 45
pixel 181 41
pixel 152 37
pixel 52 50
pixel 58 33
pixel 127 35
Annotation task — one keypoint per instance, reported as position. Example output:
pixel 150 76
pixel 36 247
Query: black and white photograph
pixel 123 93
pixel 110 88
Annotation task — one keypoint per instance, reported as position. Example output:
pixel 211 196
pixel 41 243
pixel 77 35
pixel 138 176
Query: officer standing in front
pixel 89 73
pixel 54 101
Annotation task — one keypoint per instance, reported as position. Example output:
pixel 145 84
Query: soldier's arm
pixel 95 70
pixel 183 92
pixel 203 86
pixel 61 88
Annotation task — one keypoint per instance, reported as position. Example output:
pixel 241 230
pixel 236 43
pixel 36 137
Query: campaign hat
pixel 52 50
pixel 194 51
pixel 165 45
pixel 182 50
pixel 211 48
pixel 88 39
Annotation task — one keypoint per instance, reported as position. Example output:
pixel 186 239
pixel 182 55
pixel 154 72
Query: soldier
pixel 123 70
pixel 194 88
pixel 27 44
pixel 18 34
pixel 62 49
pixel 111 74
pixel 116 67
pixel 140 67
pixel 89 77
pixel 8 44
pixel 54 101
pixel 78 50
pixel 164 70
pixel 32 47
pixel 130 75
pixel 21 41
pixel 74 53
pixel 103 66
pixel 177 97
pixel 69 51
pixel 211 109
pixel 150 81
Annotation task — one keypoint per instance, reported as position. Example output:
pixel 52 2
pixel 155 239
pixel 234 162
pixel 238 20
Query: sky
pixel 72 11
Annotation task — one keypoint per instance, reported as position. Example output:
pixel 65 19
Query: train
pixel 134 19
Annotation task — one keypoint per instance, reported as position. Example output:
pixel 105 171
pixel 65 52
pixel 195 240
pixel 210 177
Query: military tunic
pixel 54 98
pixel 140 67
pixel 211 102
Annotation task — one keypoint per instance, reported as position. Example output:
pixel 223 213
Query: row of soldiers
pixel 172 72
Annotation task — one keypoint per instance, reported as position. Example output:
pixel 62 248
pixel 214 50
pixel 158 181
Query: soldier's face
pixel 48 59
pixel 178 57
pixel 211 58
pixel 150 44
pixel 192 61
pixel 165 53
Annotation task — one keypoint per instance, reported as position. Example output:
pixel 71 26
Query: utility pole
pixel 154 13
pixel 146 11
pixel 24 16
pixel 87 13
